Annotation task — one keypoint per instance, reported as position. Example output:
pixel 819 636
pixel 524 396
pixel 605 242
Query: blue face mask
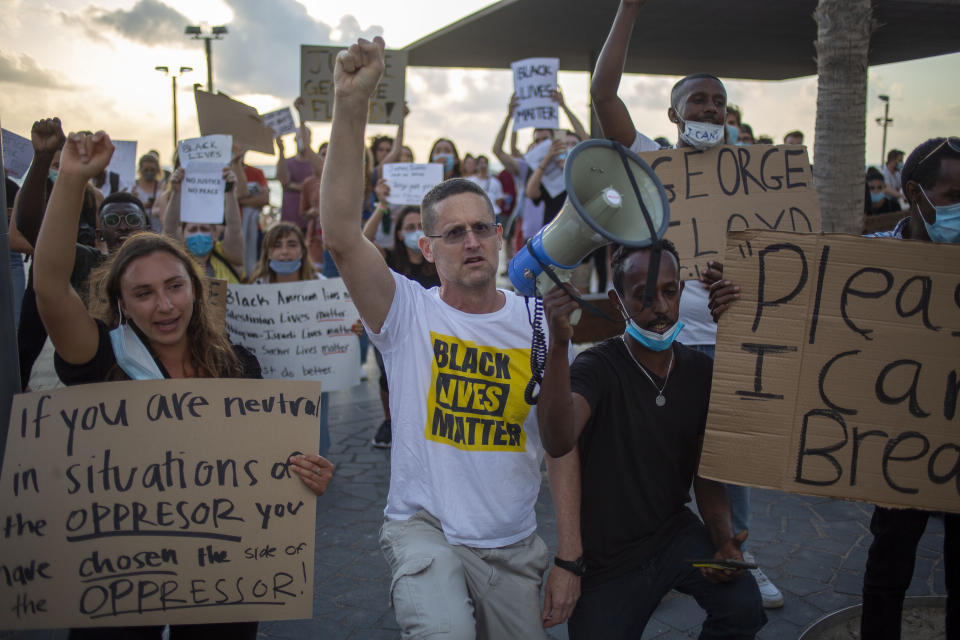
pixel 132 355
pixel 446 158
pixel 876 197
pixel 946 227
pixel 412 239
pixel 650 339
pixel 285 267
pixel 199 244
pixel 53 175
pixel 732 134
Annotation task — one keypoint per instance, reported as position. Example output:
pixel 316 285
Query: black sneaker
pixel 382 439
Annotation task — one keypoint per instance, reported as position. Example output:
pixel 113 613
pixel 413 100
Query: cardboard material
pixel 202 191
pixel 281 121
pixel 17 153
pixel 298 330
pixel 730 188
pixel 410 181
pixel 316 85
pixel 218 301
pixel 533 80
pixel 219 113
pixel 836 372
pixel 156 502
pixel 124 162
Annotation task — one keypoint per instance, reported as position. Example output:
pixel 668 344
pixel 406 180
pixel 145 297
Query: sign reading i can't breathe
pixel 157 502
pixel 838 369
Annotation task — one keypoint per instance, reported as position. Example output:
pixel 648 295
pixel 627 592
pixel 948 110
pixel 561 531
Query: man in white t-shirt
pixel 459 528
pixel 698 108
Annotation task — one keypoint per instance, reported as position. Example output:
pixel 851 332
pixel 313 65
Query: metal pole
pixel 209 49
pixel 886 120
pixel 174 112
pixel 9 358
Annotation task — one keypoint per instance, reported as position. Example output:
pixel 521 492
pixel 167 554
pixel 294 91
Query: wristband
pixel 229 187
pixel 576 567
pixel 381 209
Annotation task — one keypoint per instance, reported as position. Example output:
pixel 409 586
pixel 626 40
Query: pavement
pixel 814 549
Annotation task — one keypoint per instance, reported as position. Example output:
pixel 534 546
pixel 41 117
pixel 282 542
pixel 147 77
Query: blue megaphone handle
pixel 526 261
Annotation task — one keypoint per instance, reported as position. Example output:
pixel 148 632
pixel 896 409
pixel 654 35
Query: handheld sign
pixel 17 153
pixel 201 194
pixel 281 121
pixel 316 85
pixel 533 80
pixel 124 162
pixel 838 369
pixel 410 181
pixel 552 178
pixel 219 113
pixel 298 330
pixel 158 502
pixel 730 188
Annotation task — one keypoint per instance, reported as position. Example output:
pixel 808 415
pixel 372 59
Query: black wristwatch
pixel 576 567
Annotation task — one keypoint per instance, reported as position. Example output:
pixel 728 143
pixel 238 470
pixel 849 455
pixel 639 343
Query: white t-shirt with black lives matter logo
pixel 465 442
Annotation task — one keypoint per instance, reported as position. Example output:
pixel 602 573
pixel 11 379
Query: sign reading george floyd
pixel 316 85
pixel 219 113
pixel 730 188
pixel 838 369
pixel 158 502
pixel 533 81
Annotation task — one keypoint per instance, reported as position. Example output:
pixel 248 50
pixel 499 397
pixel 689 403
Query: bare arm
pixel 69 325
pixel 233 234
pixel 533 183
pixel 17 241
pixel 615 120
pixel 283 173
pixel 46 136
pixel 394 154
pixel 171 216
pixel 574 121
pixel 563 587
pixel 714 506
pixel 382 191
pixel 357 71
pixel 509 163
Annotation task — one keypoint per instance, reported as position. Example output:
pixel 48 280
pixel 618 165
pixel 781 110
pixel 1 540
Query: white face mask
pixel 131 354
pixel 702 135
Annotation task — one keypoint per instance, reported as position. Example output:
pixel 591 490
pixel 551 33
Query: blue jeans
pixel 621 606
pixel 739 495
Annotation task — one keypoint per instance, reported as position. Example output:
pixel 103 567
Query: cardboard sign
pixel 219 113
pixel 202 191
pixel 316 85
pixel 298 331
pixel 410 181
pixel 218 301
pixel 123 162
pixel 552 177
pixel 156 502
pixel 281 121
pixel 17 153
pixel 533 80
pixel 838 370
pixel 730 188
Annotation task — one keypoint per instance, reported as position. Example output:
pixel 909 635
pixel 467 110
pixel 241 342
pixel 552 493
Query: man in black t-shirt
pixel 628 417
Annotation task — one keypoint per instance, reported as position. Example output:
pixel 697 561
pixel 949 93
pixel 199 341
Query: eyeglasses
pixel 113 219
pixel 456 235
pixel 953 142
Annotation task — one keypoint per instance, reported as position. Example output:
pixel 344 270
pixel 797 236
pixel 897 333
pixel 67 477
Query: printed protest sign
pixel 837 369
pixel 281 121
pixel 533 80
pixel 201 194
pixel 219 113
pixel 17 153
pixel 298 330
pixel 552 178
pixel 316 85
pixel 731 188
pixel 410 181
pixel 155 502
pixel 124 162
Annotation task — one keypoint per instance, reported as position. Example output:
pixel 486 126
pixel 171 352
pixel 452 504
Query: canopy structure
pixel 750 39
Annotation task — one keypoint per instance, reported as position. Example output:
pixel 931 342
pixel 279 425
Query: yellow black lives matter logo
pixel 476 396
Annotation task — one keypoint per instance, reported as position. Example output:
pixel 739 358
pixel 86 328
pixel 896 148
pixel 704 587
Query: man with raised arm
pixel 459 527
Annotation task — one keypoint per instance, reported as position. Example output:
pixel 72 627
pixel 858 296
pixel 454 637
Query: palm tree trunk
pixel 843 38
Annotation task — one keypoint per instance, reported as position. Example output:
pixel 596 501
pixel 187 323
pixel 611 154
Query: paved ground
pixel 814 549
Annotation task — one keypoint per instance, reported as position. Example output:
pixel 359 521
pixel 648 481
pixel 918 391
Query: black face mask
pixel 148 174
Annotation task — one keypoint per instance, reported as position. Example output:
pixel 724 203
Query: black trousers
pixel 223 631
pixel 890 565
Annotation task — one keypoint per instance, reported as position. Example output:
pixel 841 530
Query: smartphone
pixel 721 563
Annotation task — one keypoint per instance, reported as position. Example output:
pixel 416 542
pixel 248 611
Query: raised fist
pixel 358 70
pixel 85 155
pixel 47 135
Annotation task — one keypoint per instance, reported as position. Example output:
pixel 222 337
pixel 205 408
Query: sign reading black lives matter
pixel 730 188
pixel 838 370
pixel 533 81
pixel 316 85
pixel 155 502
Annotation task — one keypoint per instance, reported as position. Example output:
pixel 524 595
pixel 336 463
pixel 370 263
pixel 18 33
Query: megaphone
pixel 603 205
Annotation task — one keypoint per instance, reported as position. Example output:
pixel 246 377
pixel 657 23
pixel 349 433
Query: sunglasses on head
pixel 953 142
pixel 456 235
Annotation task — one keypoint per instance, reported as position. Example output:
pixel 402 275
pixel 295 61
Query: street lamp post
pixel 173 77
pixel 217 33
pixel 884 122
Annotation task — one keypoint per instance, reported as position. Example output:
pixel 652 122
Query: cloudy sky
pixel 91 62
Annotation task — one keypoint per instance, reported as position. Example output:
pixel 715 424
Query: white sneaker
pixel 769 593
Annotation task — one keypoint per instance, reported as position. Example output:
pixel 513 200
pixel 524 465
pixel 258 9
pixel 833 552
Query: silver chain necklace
pixel 661 400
